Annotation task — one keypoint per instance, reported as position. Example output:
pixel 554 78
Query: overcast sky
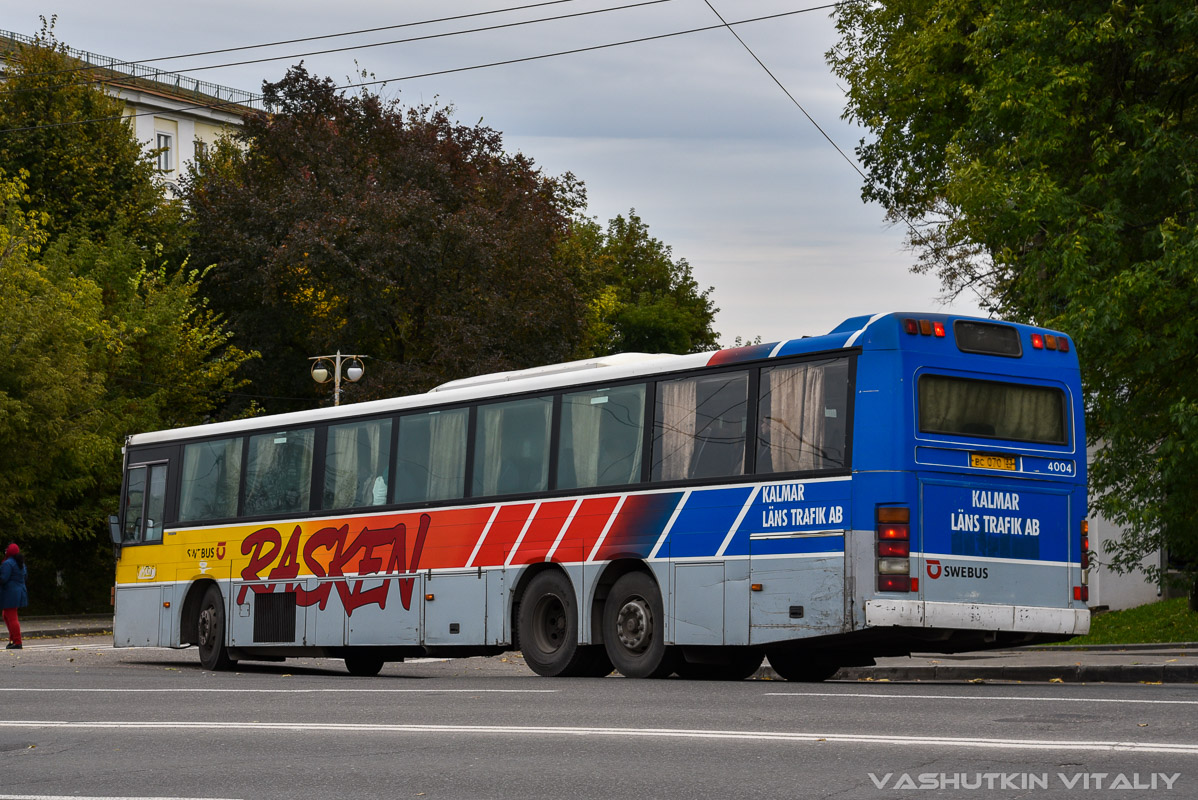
pixel 689 130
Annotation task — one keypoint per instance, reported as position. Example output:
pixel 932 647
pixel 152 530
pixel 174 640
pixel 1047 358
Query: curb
pixel 1072 673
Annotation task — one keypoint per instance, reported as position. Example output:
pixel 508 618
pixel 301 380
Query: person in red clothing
pixel 13 594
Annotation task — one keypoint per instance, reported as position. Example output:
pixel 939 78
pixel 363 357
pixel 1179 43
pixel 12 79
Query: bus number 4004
pixel 1063 467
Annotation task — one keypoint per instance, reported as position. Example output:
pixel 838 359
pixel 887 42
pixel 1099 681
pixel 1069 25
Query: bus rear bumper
pixel 977 616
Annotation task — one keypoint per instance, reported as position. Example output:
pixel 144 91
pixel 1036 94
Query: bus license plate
pixel 991 461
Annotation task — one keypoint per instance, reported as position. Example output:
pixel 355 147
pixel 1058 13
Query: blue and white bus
pixel 907 482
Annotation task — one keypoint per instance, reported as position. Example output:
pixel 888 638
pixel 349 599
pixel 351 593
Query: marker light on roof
pixel 911 326
pixel 925 327
pixel 1063 344
pixel 1037 341
pixel 938 329
pixel 1050 341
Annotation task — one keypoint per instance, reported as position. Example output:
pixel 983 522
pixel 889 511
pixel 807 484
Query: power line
pixel 144 61
pixel 786 91
pixel 434 73
pixel 327 51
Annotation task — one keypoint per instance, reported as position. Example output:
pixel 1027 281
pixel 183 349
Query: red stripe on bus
pixel 452 536
pixel 543 531
pixel 584 531
pixel 503 534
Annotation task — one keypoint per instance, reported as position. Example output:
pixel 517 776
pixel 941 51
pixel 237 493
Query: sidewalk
pixel 1131 663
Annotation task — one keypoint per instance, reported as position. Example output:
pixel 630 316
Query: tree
pixel 348 222
pixel 1043 156
pixel 85 168
pixel 640 299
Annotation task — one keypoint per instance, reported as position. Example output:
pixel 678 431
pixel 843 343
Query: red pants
pixel 14 625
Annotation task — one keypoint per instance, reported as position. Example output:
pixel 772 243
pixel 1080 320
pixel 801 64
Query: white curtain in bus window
pixel 801 417
pixel 356 464
pixel 432 457
pixel 991 410
pixel 601 437
pixel 700 425
pixel 511 450
pixel 211 474
pixel 278 472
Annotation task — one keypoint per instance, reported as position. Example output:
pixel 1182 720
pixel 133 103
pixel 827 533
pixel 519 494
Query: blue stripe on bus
pixel 704 522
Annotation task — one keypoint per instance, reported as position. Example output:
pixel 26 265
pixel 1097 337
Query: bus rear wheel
pixel 210 631
pixel 800 667
pixel 633 628
pixel 548 631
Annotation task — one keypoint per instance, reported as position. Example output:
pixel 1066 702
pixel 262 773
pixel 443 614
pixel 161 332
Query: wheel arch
pixel 189 615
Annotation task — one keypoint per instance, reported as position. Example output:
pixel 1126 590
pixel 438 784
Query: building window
pixel 165 159
pixel 201 149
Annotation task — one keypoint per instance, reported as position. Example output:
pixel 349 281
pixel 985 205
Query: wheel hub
pixel 634 625
pixel 204 629
pixel 551 624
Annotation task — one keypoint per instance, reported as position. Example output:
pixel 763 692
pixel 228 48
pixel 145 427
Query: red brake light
pixel 894 583
pixel 900 533
pixel 938 329
pixel 1079 593
pixel 1037 341
pixel 894 549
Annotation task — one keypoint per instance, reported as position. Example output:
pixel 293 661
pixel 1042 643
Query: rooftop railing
pixel 172 81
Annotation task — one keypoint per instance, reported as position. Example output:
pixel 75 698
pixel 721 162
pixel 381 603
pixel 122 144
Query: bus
pixel 905 483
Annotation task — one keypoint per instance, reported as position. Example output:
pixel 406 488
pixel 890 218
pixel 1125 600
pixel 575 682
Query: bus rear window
pixel 991 410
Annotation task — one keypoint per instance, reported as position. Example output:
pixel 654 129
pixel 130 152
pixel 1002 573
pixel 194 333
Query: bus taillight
pixel 894 549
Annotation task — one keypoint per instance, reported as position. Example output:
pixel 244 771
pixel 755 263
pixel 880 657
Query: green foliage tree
pixel 640 298
pixel 348 222
pixel 1044 157
pixel 85 169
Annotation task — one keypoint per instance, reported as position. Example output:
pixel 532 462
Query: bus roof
pixel 877 332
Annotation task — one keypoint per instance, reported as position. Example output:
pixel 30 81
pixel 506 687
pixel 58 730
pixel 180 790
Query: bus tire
pixel 800 667
pixel 363 665
pixel 210 631
pixel 633 628
pixel 547 630
pixel 738 666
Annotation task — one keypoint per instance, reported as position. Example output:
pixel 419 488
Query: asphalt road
pixel 82 719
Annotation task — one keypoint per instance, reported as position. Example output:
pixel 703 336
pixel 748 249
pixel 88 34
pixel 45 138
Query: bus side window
pixel 803 417
pixel 601 435
pixel 511 448
pixel 278 472
pixel 699 429
pixel 210 480
pixel 356 464
pixel 431 458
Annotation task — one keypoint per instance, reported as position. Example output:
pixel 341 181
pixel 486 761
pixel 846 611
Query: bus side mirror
pixel 114 528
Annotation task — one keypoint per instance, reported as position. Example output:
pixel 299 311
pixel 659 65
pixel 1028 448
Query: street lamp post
pixel 325 368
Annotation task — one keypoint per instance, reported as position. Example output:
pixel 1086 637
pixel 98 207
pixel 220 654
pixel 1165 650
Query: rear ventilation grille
pixel 274 617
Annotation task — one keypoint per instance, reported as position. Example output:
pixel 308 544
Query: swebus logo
pixel 935 571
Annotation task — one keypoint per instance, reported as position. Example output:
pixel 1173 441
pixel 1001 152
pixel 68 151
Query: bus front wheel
pixel 363 665
pixel 210 631
pixel 633 628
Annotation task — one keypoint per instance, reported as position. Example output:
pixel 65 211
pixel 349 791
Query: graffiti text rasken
pixel 361 554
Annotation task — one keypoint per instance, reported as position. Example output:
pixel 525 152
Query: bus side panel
pixel 137 616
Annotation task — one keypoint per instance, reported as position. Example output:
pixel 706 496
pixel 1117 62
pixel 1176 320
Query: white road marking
pixel 972 698
pixel 798 737
pixel 84 797
pixel 182 690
